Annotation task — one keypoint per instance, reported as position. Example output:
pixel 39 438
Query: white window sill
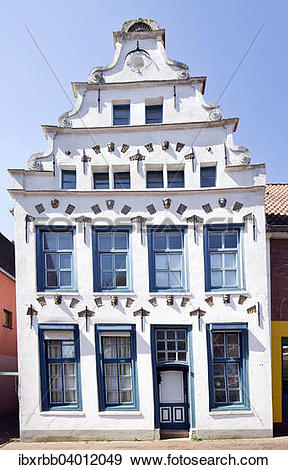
pixel 231 413
pixel 224 291
pixel 62 413
pixel 118 294
pixel 120 413
pixel 55 292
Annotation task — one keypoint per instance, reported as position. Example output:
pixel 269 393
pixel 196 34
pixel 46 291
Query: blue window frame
pixel 112 264
pixel 117 367
pixel 154 113
pixel 223 257
pixel 176 179
pixel 154 179
pixel 55 258
pixel 122 180
pixel 166 259
pixel 207 176
pixel 121 114
pixel 68 179
pixel 228 365
pixel 60 367
pixel 101 180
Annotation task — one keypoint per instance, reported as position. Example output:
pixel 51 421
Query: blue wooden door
pixel 173 399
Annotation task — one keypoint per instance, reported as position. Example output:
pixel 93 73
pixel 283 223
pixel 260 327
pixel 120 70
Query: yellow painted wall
pixel 279 329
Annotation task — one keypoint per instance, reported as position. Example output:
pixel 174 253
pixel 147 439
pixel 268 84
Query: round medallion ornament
pixel 215 114
pixel 138 61
pixel 183 74
pixel 245 158
pixel 54 203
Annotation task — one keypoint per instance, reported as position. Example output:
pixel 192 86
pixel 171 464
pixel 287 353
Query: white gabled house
pixel 141 266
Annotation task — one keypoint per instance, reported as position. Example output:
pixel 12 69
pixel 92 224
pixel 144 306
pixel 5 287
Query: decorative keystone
pixel 165 144
pixel 167 203
pixel 125 209
pixel 129 302
pixel 181 209
pixel 57 299
pixel 54 203
pixel 222 201
pixel 98 301
pixel 40 208
pixel 252 309
pixel 96 209
pixel 69 209
pixel 124 148
pixel 110 204
pixel 149 147
pixel 210 301
pixel 153 302
pixel 207 208
pixel 242 299
pixel 151 209
pixel 226 298
pixel 170 300
pixel 111 146
pixel 42 301
pixel 74 302
pixel 185 301
pixel 96 149
pixel 237 206
pixel 179 146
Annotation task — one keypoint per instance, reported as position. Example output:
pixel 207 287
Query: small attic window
pixel 139 26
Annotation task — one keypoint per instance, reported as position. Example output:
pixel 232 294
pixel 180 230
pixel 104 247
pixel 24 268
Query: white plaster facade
pixel 187 119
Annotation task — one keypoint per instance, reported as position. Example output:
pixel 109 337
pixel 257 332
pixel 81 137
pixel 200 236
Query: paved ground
pixel 9 440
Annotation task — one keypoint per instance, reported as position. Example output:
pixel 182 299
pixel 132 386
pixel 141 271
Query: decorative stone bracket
pixel 199 313
pixel 141 313
pixel 140 221
pixel 87 314
pixel 84 220
pixel 31 312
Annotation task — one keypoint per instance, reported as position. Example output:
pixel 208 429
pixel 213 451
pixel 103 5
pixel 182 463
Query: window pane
pixel 121 114
pixel 160 241
pixel 65 278
pixel 121 280
pixel 126 396
pixel 171 334
pixel 56 397
pixel 175 261
pixel 230 260
pixel 106 279
pixel 232 370
pixel 233 382
pixel 105 241
pixel 153 113
pixel 111 370
pixel 232 340
pixel 207 176
pixel 175 279
pixel 160 357
pixel 176 179
pixel 154 179
pixel 65 261
pixel 216 260
pixel 218 344
pixel 68 179
pixel 230 278
pixel 234 395
pixel 50 241
pixel 109 347
pixel 175 241
pixel 215 240
pixel 171 356
pixel 171 345
pixel 181 334
pixel 70 396
pixel 161 261
pixel 120 261
pixel 122 180
pixel 220 396
pixel 106 261
pixel 160 334
pixel 230 240
pixel 111 397
pixel 219 383
pixel 120 241
pixel 216 278
pixel 65 241
pixel 218 370
pixel 162 279
pixel 123 347
pixel 101 180
pixel 182 356
pixel 54 352
pixel 52 261
pixel 160 346
pixel 52 279
pixel 181 345
pixel 68 351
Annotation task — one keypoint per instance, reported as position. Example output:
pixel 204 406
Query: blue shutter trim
pixel 40 262
pixel 100 366
pixel 151 258
pixel 240 256
pixel 44 369
pixel 96 258
pixel 244 347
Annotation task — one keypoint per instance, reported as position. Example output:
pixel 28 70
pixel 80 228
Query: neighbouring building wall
pixel 8 346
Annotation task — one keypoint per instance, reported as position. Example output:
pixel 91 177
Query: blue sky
pixel 211 36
